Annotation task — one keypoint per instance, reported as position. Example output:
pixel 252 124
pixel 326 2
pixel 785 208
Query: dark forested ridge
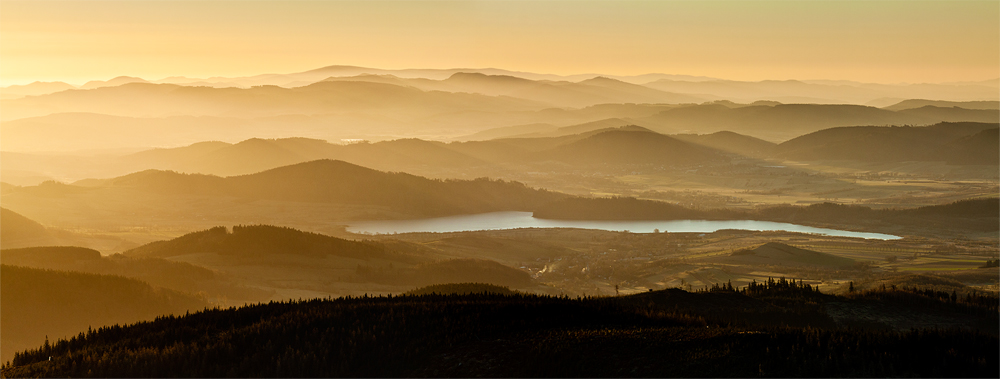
pixel 252 241
pixel 775 329
pixel 976 214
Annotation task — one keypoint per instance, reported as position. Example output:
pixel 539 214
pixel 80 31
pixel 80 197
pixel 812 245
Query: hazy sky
pixel 875 41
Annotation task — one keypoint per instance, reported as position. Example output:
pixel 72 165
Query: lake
pixel 514 220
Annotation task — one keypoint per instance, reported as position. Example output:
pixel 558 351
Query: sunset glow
pixel 883 41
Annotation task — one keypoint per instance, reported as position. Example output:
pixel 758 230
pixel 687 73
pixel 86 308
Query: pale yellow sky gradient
pixel 871 41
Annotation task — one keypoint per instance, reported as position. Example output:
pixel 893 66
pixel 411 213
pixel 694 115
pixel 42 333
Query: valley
pixel 147 210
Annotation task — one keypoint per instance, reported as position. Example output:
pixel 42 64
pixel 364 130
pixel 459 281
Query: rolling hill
pixel 954 114
pixel 33 89
pixel 978 149
pixel 288 261
pixel 730 142
pixel 338 182
pixel 255 241
pixel 17 230
pixel 157 100
pixel 880 144
pixel 177 276
pixel 630 147
pixel 779 254
pixel 918 103
pixel 775 123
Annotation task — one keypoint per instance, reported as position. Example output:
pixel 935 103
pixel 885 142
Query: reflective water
pixel 513 220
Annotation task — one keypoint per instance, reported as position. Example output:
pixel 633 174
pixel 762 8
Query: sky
pixel 870 41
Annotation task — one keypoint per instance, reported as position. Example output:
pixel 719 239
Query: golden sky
pixel 873 41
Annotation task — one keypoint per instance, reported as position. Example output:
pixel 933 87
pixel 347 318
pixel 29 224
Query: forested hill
pixel 670 333
pixel 36 303
pixel 330 181
pixel 258 240
pixel 955 142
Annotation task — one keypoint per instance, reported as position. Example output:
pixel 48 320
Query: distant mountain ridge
pixel 918 103
pixel 323 182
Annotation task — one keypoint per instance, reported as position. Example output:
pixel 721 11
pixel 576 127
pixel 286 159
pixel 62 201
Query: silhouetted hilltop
pixel 879 144
pixel 255 241
pixel 112 82
pixel 918 103
pixel 615 147
pixel 168 157
pixel 730 142
pixel 59 304
pixel 33 89
pixel 167 182
pixel 17 230
pixel 779 254
pixel 608 123
pixel 341 182
pixel 254 155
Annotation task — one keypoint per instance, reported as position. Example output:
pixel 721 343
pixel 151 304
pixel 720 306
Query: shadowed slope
pixel 775 253
pixel 881 144
pixel 257 241
pixel 60 304
pixel 631 147
pixel 17 230
pixel 730 142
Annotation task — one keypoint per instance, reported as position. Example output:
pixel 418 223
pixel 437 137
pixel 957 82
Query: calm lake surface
pixel 514 220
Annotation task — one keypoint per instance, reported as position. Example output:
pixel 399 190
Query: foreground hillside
pixel 57 304
pixel 661 334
